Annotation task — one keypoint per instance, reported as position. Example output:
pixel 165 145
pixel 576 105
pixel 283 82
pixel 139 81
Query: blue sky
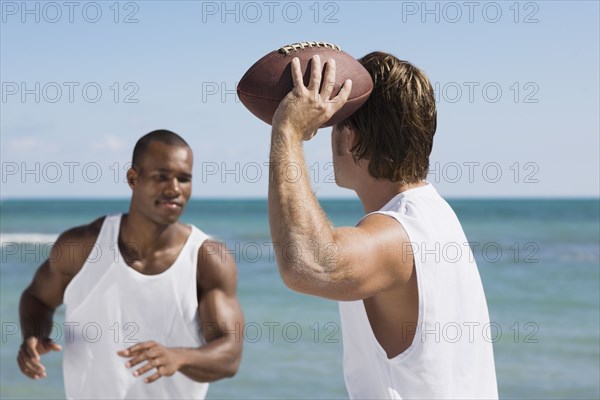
pixel 517 85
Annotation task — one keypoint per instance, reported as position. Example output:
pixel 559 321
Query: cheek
pixel 335 143
pixel 151 191
pixel 339 148
pixel 186 190
pixel 151 188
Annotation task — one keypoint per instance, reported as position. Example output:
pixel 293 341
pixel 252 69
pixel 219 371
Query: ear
pixel 349 139
pixel 132 177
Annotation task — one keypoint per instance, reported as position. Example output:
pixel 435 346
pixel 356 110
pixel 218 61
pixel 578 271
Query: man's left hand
pixel 165 360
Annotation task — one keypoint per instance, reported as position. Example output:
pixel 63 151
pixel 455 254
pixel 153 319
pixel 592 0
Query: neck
pixel 375 194
pixel 141 235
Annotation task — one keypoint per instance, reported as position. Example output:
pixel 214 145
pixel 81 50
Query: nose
pixel 173 188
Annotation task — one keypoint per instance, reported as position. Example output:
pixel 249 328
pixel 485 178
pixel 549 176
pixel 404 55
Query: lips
pixel 171 204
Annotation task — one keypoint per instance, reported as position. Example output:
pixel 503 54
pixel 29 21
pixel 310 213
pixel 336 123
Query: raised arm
pixel 313 257
pixel 45 293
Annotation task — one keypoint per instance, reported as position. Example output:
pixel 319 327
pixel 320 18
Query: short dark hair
pixel 160 135
pixel 395 126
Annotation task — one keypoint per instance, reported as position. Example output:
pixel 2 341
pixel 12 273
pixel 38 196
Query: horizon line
pixel 256 198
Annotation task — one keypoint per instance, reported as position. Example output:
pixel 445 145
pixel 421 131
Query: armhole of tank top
pixel 402 357
pixel 73 282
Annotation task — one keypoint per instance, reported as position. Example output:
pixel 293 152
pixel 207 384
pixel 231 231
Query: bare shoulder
pixel 384 225
pixel 377 232
pixel 377 251
pixel 391 240
pixel 390 236
pixel 84 232
pixel 216 266
pixel 73 247
pixel 69 253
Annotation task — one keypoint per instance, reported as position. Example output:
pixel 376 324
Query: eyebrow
pixel 184 174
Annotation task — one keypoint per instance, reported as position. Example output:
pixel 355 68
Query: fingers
pixel 306 108
pixel 315 74
pixel 26 367
pixel 31 347
pixel 153 363
pixel 46 345
pixel 157 363
pixel 147 354
pixel 29 361
pixel 297 74
pixel 139 352
pixel 152 378
pixel 135 349
pixel 147 351
pixel 329 79
pixel 52 346
pixel 136 360
pixel 342 96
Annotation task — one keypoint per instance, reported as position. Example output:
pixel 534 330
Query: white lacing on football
pixel 303 45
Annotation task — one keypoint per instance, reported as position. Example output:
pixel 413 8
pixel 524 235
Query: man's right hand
pixel 29 356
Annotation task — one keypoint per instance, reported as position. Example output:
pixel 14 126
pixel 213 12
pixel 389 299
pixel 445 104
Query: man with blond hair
pixel 413 320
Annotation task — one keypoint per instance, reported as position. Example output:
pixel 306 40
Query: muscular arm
pixel 45 294
pixel 221 323
pixel 220 315
pixel 313 257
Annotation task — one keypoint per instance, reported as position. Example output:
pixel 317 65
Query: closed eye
pixel 159 177
pixel 185 178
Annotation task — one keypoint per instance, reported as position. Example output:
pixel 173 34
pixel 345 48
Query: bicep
pixel 219 307
pixel 220 314
pixel 362 261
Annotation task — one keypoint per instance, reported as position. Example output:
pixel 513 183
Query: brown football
pixel 269 80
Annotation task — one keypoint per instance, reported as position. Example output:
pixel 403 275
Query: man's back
pixel 451 355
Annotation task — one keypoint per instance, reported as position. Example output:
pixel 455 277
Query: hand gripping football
pixel 269 80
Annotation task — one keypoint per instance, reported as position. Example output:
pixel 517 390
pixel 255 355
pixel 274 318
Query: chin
pixel 167 219
pixel 340 183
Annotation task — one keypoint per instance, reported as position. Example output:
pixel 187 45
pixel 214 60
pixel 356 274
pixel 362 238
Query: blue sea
pixel 539 261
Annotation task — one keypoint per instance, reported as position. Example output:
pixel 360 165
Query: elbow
pixel 307 278
pixel 311 276
pixel 292 277
pixel 303 266
pixel 231 371
pixel 287 277
pixel 231 361
pixel 231 367
pixel 233 364
pixel 226 369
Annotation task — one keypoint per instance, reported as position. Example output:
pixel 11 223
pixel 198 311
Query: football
pixel 269 80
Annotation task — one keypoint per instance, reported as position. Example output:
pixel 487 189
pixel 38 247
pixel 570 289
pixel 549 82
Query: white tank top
pixel 451 356
pixel 110 306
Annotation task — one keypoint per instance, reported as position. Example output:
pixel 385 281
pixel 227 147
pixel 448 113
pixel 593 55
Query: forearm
pixel 36 317
pixel 217 359
pixel 300 229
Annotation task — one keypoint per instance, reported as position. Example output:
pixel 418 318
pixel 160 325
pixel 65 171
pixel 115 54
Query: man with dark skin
pixel 151 246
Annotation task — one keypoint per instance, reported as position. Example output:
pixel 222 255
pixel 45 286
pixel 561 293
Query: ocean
pixel 539 261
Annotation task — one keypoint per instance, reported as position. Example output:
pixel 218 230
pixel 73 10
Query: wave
pixel 23 238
